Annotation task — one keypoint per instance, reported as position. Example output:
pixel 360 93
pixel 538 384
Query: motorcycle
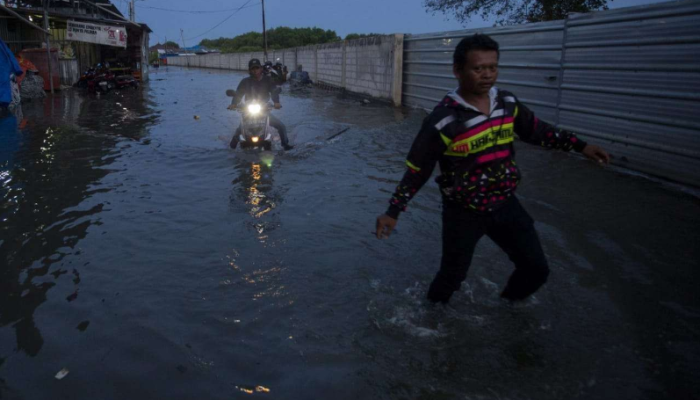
pixel 103 81
pixel 255 124
pixel 86 77
pixel 96 78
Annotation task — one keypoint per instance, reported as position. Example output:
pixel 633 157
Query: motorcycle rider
pixel 300 77
pixel 281 72
pixel 260 88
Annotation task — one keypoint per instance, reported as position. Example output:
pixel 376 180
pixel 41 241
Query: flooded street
pixel 143 255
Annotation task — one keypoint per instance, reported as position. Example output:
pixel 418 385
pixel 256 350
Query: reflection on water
pixel 54 153
pixel 254 186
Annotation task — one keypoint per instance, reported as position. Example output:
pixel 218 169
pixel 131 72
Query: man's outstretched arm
pixel 535 131
pixel 425 152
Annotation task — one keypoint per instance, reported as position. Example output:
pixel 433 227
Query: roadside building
pixel 82 34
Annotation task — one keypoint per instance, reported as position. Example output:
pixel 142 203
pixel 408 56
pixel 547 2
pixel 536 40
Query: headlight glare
pixel 254 108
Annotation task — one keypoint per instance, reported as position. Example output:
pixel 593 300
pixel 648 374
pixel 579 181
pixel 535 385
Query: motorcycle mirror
pixel 231 93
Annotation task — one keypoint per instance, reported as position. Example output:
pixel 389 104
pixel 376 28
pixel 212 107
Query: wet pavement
pixel 145 257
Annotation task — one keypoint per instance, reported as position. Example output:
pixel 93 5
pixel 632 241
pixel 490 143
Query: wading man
pixel 470 134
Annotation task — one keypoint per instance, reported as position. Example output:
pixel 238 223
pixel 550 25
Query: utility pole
pixel 264 30
pixel 132 11
pixel 187 52
pixel 48 42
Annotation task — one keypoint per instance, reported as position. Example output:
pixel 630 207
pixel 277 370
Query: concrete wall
pixel 306 56
pixel 330 64
pixel 370 66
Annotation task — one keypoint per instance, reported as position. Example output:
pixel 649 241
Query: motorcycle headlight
pixel 254 109
pixel 255 139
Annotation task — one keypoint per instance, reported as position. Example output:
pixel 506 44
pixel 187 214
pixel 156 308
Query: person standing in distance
pixel 470 134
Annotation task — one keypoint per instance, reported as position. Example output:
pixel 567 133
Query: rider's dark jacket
pixel 260 90
pixel 475 151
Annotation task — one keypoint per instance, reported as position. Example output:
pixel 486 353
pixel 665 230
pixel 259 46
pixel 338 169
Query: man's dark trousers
pixel 511 228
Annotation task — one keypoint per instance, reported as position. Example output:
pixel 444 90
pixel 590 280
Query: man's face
pixel 256 72
pixel 479 73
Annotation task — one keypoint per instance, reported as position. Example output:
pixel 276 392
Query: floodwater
pixel 142 255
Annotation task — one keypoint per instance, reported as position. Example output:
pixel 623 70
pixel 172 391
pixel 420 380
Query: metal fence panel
pixel 529 64
pixel 632 81
pixel 628 79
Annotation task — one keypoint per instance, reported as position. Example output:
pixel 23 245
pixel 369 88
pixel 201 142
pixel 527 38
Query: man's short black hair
pixel 474 42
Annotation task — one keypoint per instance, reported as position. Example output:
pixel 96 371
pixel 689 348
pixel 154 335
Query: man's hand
pixel 278 106
pixel 596 153
pixel 385 225
pixel 232 107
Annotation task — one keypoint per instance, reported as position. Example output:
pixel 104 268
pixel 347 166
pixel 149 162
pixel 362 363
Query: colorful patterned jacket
pixel 475 151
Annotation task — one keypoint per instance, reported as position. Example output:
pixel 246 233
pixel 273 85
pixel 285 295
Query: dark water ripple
pixel 151 261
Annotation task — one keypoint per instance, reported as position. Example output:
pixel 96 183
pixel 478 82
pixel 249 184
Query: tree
pixel 514 11
pixel 277 38
pixel 353 36
pixel 171 45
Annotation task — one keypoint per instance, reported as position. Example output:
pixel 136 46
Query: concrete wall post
pixel 397 82
pixel 316 63
pixel 343 80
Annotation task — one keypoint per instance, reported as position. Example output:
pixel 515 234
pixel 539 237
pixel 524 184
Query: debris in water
pixel 82 326
pixel 338 134
pixel 196 117
pixel 62 373
pixel 72 296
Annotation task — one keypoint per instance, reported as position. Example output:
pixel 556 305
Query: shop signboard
pixel 96 33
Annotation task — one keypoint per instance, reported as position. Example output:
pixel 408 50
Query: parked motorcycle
pixel 97 78
pixel 255 124
pixel 104 81
pixel 86 76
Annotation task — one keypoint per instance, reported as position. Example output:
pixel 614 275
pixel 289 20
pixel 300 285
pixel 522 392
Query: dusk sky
pixel 343 16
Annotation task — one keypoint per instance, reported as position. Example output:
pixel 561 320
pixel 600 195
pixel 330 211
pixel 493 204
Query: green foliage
pixel 171 44
pixel 152 57
pixel 513 11
pixel 353 36
pixel 277 38
pixel 249 49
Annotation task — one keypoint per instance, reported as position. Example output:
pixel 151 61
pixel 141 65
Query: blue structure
pixel 8 66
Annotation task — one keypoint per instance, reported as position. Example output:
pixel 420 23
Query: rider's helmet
pixel 253 63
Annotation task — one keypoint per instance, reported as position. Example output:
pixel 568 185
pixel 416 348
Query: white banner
pixel 96 33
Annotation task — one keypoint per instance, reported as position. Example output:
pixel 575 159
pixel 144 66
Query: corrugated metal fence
pixel 628 79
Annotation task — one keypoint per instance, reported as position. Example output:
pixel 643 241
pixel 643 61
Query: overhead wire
pixel 245 5
pixel 188 11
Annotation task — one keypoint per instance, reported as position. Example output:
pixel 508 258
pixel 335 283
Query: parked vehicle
pixel 97 78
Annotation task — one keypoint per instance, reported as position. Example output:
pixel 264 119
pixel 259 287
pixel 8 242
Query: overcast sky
pixel 343 16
